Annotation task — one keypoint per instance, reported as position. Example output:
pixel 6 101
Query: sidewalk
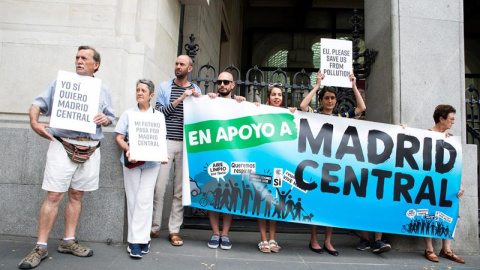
pixel 244 255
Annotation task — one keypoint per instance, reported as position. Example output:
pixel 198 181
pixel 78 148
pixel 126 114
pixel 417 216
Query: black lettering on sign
pixel 406 153
pixel 372 147
pixel 324 137
pixel 351 180
pixel 327 178
pixel 299 175
pixel 355 149
pixel 441 146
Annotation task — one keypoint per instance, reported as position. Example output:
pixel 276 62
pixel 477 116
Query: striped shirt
pixel 174 115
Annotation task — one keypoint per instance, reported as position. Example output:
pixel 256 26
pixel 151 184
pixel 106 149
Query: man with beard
pixel 225 85
pixel 171 94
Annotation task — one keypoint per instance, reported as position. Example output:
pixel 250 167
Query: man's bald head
pixel 225 84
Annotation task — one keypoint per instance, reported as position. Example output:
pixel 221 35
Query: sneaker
pixel 75 248
pixel 380 247
pixel 145 248
pixel 214 242
pixel 363 244
pixel 33 259
pixel 225 242
pixel 135 251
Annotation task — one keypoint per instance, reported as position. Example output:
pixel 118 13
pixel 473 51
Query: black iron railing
pixel 472 114
pixel 473 126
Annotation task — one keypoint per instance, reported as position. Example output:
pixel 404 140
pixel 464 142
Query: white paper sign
pixel 75 102
pixel 146 133
pixel 336 62
pixel 289 177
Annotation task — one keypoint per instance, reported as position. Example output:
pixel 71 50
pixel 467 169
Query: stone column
pixel 420 65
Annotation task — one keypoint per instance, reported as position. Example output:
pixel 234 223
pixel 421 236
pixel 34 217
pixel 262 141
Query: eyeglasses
pixel 225 82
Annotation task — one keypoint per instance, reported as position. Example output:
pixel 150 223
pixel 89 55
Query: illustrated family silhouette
pixel 427 226
pixel 227 195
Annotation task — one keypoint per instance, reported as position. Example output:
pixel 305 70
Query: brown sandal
pixel 451 256
pixel 431 256
pixel 175 239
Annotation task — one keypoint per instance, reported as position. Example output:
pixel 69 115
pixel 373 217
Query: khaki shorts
pixel 62 174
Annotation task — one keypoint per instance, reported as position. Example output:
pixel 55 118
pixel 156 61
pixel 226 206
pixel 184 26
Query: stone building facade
pixel 141 39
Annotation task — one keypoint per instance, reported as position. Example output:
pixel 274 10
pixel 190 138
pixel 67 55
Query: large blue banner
pixel 265 162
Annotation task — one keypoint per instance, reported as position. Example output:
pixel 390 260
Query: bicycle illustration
pixel 206 199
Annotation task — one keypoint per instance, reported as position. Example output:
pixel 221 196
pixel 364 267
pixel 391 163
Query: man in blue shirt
pixel 171 94
pixel 66 173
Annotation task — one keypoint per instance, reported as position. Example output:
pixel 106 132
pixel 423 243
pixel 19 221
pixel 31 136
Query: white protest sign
pixel 289 177
pixel 336 62
pixel 277 177
pixel 75 102
pixel 146 133
pixel 218 170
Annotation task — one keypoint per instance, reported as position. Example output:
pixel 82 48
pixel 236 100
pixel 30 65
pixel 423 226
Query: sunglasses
pixel 225 82
pixel 273 85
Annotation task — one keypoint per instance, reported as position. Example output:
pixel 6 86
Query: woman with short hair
pixel 444 117
pixel 139 177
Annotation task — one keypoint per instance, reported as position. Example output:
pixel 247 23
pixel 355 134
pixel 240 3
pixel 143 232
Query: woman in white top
pixel 139 180
pixel 444 117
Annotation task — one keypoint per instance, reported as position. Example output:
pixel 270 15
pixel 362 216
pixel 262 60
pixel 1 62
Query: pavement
pixel 195 254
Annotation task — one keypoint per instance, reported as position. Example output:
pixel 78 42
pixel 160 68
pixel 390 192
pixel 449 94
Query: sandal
pixel 264 247
pixel 175 239
pixel 274 247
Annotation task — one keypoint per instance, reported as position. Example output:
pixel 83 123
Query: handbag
pixel 127 163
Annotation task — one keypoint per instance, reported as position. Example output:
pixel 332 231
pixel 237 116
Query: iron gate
pixel 473 127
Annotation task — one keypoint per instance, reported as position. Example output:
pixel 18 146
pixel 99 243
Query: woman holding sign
pixel 328 102
pixel 139 177
pixel 267 245
pixel 444 117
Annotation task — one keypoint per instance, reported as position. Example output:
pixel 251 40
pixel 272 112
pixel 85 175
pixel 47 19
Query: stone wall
pixel 104 213
pixel 416 69
pixel 135 39
pixel 207 24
